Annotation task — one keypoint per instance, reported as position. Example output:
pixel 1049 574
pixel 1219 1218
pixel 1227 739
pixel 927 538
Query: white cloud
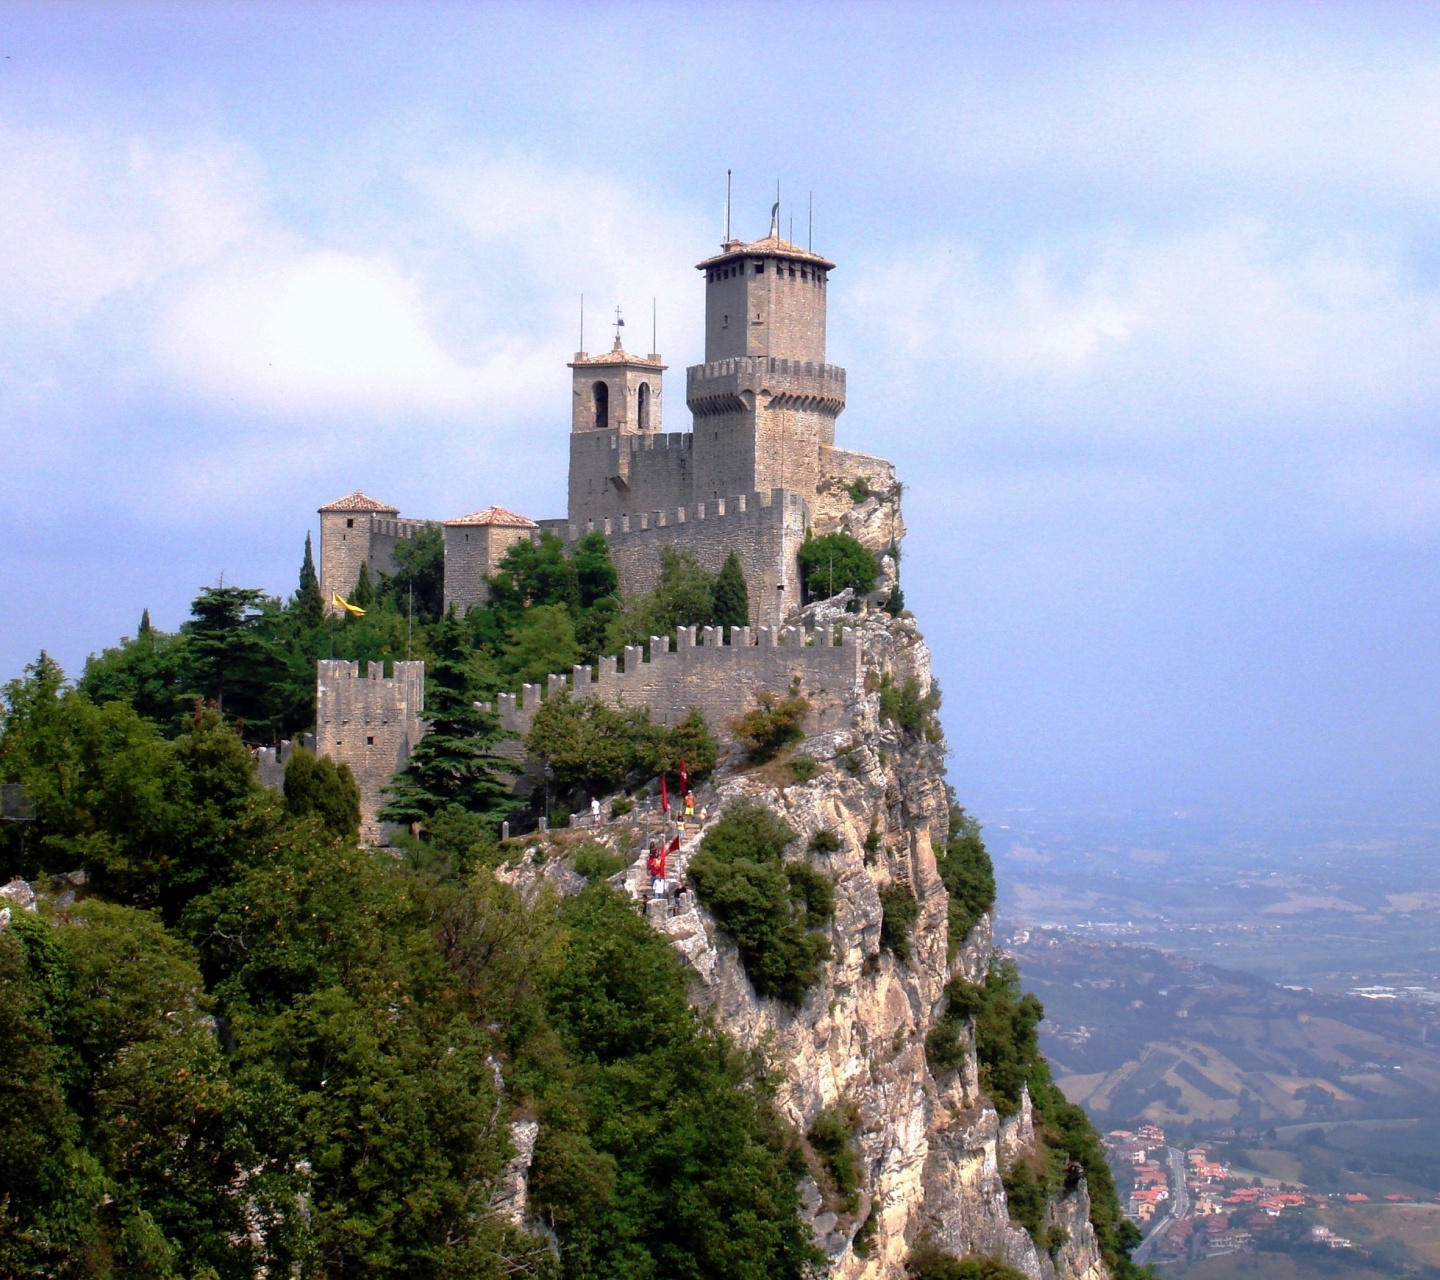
pixel 318 331
pixel 1168 329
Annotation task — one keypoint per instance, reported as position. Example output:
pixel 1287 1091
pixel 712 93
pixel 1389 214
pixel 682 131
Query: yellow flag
pixel 339 602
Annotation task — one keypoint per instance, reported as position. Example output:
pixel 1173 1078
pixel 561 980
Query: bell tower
pixel 764 401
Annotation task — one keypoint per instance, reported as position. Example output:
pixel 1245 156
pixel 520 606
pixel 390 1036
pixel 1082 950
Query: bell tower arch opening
pixel 601 392
pixel 642 407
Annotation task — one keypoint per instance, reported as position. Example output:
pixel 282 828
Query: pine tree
pixel 364 594
pixel 145 627
pixel 732 596
pixel 308 605
pixel 453 764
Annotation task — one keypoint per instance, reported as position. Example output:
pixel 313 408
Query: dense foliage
pixel 317 785
pixel 830 564
pixel 906 707
pixel 773 722
pixel 292 1066
pixel 832 1138
pixel 771 908
pixel 967 873
pixel 1007 1045
pixel 591 748
pixel 899 910
pixel 927 1262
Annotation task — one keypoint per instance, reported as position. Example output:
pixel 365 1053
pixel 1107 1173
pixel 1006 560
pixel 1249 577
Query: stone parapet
pixel 720 386
pixel 701 672
pixel 371 723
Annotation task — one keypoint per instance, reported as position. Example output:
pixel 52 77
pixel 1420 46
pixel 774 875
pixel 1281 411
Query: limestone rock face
pixel 932 1149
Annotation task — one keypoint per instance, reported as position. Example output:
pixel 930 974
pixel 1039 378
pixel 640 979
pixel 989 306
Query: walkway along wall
pixel 370 723
pixel 721 680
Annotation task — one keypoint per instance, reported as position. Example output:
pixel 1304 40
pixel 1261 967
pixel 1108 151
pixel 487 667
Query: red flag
pixel 664 796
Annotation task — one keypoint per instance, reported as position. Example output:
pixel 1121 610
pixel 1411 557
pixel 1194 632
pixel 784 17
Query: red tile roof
pixel 358 501
pixel 496 516
pixel 770 247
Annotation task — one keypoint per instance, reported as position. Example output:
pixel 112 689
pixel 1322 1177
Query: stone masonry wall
pixel 472 553
pixel 764 530
pixel 349 539
pixel 370 723
pixel 614 474
pixel 701 671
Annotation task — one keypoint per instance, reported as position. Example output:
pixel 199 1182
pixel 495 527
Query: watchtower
pixel 764 401
pixel 347 528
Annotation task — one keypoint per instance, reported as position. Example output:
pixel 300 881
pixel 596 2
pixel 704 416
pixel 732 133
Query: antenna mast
pixel 654 327
pixel 582 322
pixel 810 230
pixel 727 206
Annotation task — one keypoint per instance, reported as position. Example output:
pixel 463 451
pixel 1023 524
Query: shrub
pixel 944 1047
pixel 766 905
pixel 872 845
pixel 928 1262
pixel 803 768
pixel 908 709
pixel 317 785
pixel 831 563
pixel 620 806
pixel 898 912
pixel 831 1136
pixel 824 842
pixel 859 489
pixel 773 722
pixel 596 862
pixel 967 873
pixel 864 1241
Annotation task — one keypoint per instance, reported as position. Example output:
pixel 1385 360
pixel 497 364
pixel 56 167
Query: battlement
pixel 719 386
pixel 735 509
pixel 398 527
pixel 270 762
pixel 370 722
pixel 700 671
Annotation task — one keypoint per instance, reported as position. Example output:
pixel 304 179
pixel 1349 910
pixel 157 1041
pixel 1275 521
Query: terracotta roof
pixel 496 516
pixel 618 355
pixel 358 501
pixel 772 246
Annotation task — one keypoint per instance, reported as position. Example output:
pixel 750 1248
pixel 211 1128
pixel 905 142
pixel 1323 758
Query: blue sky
pixel 1144 300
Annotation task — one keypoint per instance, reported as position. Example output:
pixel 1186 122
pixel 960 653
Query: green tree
pixel 454 763
pixel 595 574
pixel 773 722
pixel 684 596
pixel 317 785
pixel 731 597
pixel 364 594
pixel 967 873
pixel 419 566
pixel 150 673
pixel 833 562
pixel 770 907
pixel 534 573
pixel 542 643
pixel 230 658
pixel 308 607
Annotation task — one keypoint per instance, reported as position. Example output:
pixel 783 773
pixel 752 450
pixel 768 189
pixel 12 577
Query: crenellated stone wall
pixel 371 723
pixel 699 671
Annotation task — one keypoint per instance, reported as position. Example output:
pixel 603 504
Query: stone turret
pixel 764 401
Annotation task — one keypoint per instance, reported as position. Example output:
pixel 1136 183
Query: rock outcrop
pixel 933 1149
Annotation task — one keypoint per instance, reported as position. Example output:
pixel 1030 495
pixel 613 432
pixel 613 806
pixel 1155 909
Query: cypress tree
pixel 732 597
pixel 454 763
pixel 364 594
pixel 308 605
pixel 145 627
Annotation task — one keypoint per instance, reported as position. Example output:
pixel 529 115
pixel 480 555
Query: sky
pixel 1143 300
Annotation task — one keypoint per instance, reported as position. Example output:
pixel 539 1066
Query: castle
pixel 757 472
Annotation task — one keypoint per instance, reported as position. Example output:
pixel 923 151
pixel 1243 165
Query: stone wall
pixel 370 723
pixel 614 474
pixel 699 671
pixel 472 553
pixel 764 530
pixel 349 539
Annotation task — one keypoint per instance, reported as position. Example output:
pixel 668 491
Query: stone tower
pixel 615 432
pixel 764 401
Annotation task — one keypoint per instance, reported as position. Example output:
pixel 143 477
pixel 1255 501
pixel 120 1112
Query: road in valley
pixel 1179 1205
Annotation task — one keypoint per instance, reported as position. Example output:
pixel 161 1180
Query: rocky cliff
pixel 932 1149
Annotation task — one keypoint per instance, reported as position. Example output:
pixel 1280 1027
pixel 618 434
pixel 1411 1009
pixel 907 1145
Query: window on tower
pixel 602 406
pixel 643 406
